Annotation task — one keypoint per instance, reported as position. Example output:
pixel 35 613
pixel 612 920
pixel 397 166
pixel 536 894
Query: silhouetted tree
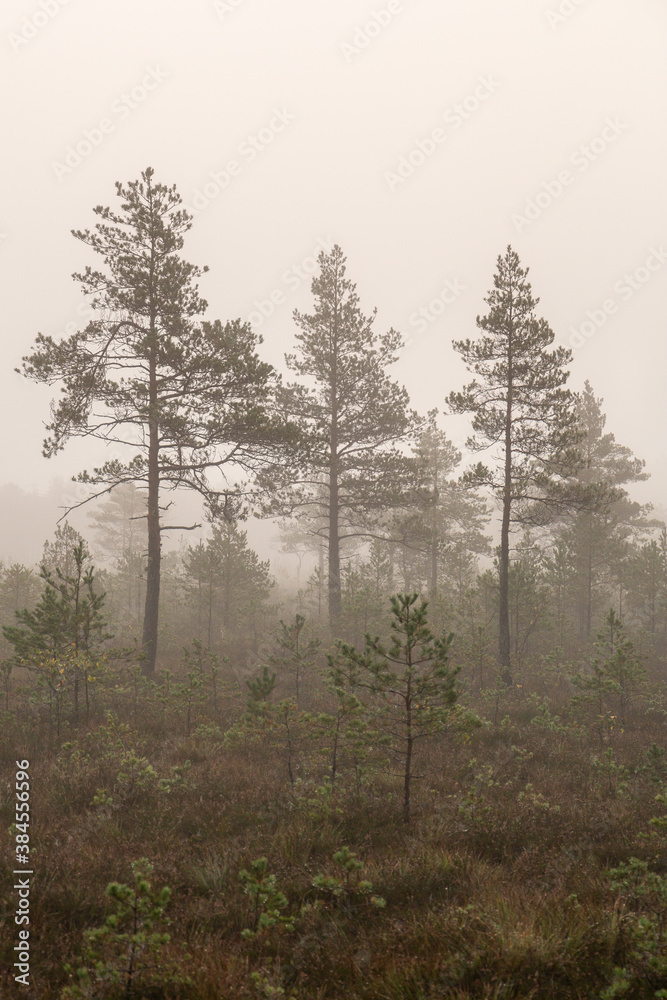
pixel 353 416
pixel 520 405
pixel 186 398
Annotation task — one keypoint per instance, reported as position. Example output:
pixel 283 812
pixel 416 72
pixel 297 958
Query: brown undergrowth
pixel 499 887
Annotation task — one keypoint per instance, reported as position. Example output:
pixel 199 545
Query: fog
pixel 399 732
pixel 422 137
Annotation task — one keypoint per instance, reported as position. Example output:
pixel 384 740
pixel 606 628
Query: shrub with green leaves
pixel 347 890
pixel 644 924
pixel 349 737
pixel 61 638
pixel 288 733
pixel 267 902
pixel 611 778
pixel 412 687
pixel 474 807
pixel 296 653
pixel 618 674
pixel 654 764
pixel 260 690
pixel 126 956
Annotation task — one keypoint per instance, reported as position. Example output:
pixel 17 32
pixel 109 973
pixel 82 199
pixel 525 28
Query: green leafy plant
pixel 260 690
pixel 654 764
pixel 126 956
pixel 347 890
pixel 267 902
pixel 265 989
pixel 644 892
pixel 296 654
pixel 60 638
pixel 289 733
pixel 611 777
pixel 474 807
pixel 412 685
pixel 618 674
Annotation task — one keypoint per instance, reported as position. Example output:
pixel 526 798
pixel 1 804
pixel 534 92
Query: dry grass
pixel 502 895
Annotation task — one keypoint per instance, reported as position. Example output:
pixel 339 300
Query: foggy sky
pixel 414 133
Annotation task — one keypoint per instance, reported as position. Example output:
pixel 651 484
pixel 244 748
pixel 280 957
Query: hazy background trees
pixel 372 497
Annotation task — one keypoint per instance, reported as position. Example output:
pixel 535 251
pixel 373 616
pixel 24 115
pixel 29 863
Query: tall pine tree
pixel 521 407
pixel 186 398
pixel 353 415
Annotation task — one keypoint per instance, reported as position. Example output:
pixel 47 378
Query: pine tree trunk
pixel 433 585
pixel 152 606
pixel 407 781
pixel 504 647
pixel 151 610
pixel 334 752
pixel 209 627
pixel 589 580
pixel 320 581
pixel 335 606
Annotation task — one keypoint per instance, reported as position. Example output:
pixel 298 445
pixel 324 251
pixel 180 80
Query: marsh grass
pixel 499 888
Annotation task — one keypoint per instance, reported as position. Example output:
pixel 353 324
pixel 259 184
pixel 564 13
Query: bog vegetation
pixel 433 768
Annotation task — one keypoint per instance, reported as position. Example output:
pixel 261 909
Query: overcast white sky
pixel 319 103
